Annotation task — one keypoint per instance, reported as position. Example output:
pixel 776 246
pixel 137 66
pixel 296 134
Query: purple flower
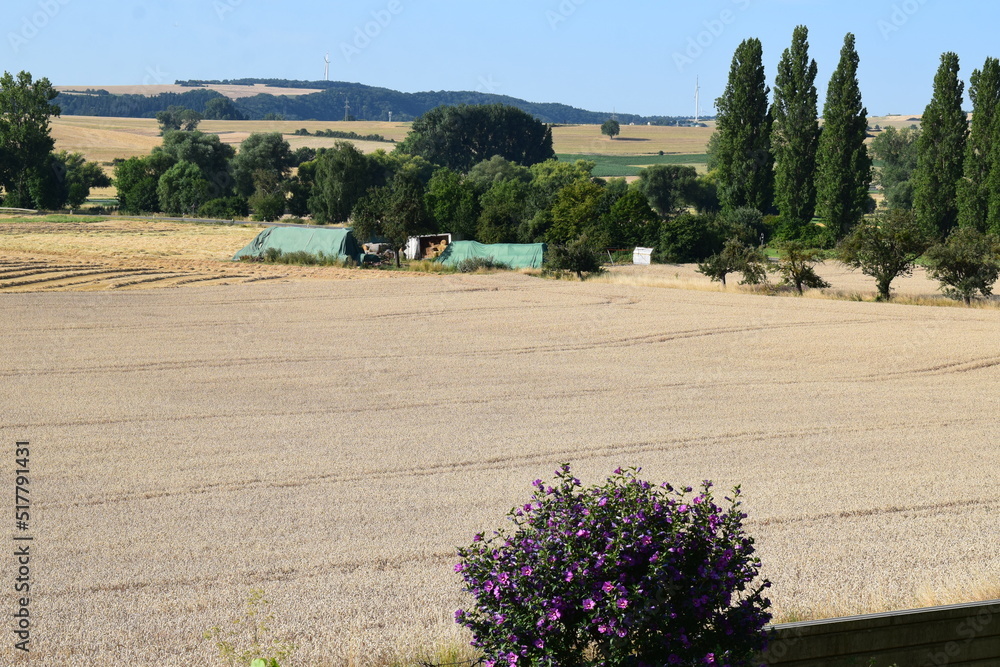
pixel 588 604
pixel 526 571
pixel 608 586
pixel 622 603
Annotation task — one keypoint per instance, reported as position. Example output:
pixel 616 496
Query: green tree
pixel 843 166
pixel 885 248
pixel 611 128
pixel 485 174
pixel 136 180
pixel 183 189
pixel 795 133
pixel 941 151
pixel 736 256
pixel 225 208
pixel 746 224
pixel 743 154
pixel 578 255
pixel 897 150
pixel 668 187
pixel 176 118
pixel 343 176
pixel 966 264
pixel 576 210
pixel 689 238
pixel 67 181
pixel 504 209
pixel 452 203
pixel 461 136
pixel 980 149
pixel 631 222
pixel 395 212
pixel 551 176
pixel 797 266
pixel 222 108
pixel 260 151
pixel 207 152
pixel 25 140
pixel 704 196
pixel 268 199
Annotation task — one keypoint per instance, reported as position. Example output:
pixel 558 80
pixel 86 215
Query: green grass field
pixel 631 165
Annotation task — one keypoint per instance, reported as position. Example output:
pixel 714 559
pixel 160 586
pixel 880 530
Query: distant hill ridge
pixel 365 103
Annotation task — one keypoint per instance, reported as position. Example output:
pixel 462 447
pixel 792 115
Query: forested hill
pixel 366 103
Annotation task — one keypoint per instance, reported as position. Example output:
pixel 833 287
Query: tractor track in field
pixel 58 275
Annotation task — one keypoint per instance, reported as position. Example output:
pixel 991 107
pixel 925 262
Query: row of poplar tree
pixel 776 155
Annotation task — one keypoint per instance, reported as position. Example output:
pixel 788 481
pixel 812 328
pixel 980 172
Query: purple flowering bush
pixel 626 573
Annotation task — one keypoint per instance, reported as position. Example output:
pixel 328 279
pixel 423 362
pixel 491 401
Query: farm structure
pixel 428 246
pixel 514 255
pixel 339 243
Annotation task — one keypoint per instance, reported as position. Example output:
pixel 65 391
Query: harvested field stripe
pixel 64 276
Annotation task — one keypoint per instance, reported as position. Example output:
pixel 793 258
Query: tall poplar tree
pixel 941 151
pixel 745 162
pixel 844 168
pixel 795 133
pixel 980 155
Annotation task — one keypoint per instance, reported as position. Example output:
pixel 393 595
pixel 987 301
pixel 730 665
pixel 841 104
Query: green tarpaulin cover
pixel 514 255
pixel 338 243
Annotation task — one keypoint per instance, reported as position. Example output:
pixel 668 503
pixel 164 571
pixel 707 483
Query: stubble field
pixel 332 441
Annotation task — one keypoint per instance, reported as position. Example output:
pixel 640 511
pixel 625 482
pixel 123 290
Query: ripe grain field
pixel 332 441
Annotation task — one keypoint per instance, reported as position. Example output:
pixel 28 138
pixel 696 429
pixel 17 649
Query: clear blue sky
pixel 639 56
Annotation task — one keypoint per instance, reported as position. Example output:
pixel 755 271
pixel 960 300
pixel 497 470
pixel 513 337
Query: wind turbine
pixel 697 101
pixel 326 70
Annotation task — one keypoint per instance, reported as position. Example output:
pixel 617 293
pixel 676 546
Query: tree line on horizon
pixel 366 103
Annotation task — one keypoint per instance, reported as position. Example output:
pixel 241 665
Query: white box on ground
pixel 642 256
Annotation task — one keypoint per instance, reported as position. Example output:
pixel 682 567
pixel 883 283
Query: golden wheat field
pixel 332 441
pixel 103 139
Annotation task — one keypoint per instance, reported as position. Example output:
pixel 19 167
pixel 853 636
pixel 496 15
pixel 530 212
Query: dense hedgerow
pixel 626 573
